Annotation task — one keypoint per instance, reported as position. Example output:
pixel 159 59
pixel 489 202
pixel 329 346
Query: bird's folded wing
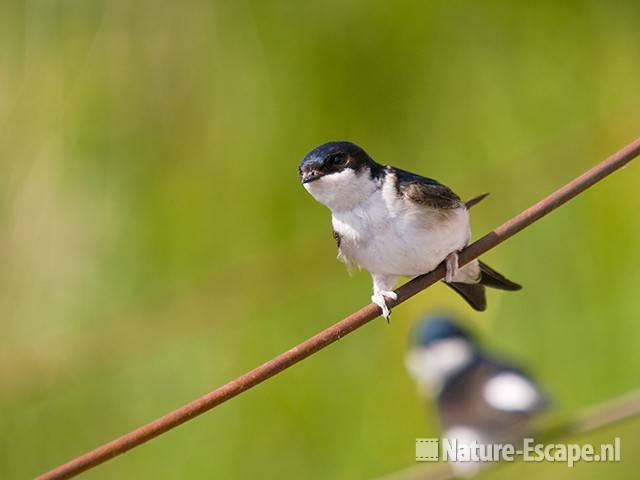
pixel 425 191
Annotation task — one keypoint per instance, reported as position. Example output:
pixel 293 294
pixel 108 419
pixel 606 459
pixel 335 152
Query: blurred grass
pixel 155 242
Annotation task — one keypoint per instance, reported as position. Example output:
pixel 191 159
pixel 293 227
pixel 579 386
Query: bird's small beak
pixel 310 176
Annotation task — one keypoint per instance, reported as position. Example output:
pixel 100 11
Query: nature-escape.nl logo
pixel 428 450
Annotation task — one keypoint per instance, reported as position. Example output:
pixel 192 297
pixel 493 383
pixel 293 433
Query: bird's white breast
pixel 386 233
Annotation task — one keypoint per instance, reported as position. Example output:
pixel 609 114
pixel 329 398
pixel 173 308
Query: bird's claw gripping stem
pixel 380 299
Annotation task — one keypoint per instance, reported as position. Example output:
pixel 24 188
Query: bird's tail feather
pixel 493 279
pixel 474 293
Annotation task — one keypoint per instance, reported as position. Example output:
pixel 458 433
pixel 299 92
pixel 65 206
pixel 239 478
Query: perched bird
pixel 478 397
pixel 395 223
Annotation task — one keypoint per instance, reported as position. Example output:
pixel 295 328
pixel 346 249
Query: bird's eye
pixel 338 159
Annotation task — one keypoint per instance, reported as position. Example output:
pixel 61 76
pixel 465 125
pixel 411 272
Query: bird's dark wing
pixel 496 366
pixel 463 401
pixel 476 200
pixel 424 191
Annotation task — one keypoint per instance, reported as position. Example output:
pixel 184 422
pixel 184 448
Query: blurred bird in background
pixel 395 223
pixel 478 397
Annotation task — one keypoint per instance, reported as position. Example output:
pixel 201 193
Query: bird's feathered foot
pixel 383 290
pixel 451 262
pixel 380 299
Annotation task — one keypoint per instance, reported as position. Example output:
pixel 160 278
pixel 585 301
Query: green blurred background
pixel 155 241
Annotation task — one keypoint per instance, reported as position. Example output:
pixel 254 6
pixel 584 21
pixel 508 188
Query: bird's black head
pixel 334 157
pixel 433 329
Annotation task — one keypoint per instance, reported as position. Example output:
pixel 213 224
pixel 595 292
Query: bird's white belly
pixel 400 239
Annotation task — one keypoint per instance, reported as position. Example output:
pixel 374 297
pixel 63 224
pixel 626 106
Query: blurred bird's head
pixel 339 174
pixel 439 349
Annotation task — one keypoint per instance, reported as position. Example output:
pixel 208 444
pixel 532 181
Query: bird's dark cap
pixel 325 150
pixel 320 154
pixel 334 157
pixel 433 328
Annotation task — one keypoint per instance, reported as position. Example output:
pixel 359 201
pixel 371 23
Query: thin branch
pixel 605 415
pixel 625 407
pixel 343 327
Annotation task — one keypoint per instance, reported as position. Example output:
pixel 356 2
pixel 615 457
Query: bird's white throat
pixel 343 190
pixel 432 366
